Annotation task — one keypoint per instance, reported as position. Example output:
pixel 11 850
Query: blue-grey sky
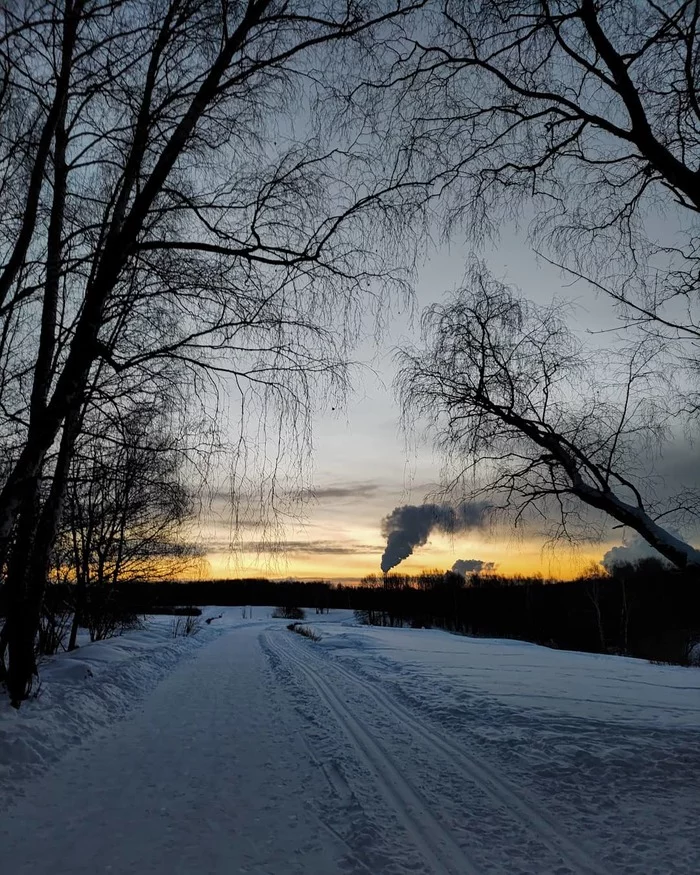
pixel 363 464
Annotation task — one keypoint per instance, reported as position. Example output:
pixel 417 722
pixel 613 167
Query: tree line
pixel 644 609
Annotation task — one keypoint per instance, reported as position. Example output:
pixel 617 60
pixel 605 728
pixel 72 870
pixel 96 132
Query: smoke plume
pixel 633 551
pixel 411 525
pixel 463 567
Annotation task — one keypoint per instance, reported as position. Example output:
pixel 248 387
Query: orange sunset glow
pixel 528 557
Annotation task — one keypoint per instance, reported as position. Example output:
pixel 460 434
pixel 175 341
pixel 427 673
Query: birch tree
pixel 516 403
pixel 582 117
pixel 168 193
pixel 126 505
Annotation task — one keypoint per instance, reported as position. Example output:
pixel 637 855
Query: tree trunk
pixel 593 591
pixel 3 650
pixel 625 617
pixel 79 610
pixel 29 568
pixel 22 611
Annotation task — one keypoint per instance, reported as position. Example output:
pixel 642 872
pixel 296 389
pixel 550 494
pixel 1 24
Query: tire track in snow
pixel 435 843
pixel 500 790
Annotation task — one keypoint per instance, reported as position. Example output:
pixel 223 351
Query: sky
pixel 364 465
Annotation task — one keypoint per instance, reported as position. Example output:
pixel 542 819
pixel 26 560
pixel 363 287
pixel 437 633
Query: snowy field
pixel 249 749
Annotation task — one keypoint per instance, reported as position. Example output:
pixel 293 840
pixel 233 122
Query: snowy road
pixel 423 816
pixel 377 751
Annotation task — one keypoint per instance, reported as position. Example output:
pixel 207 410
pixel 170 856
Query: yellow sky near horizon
pixel 364 464
pixel 339 537
pixel 511 556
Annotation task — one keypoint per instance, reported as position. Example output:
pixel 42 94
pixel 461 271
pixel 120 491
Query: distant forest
pixel 644 610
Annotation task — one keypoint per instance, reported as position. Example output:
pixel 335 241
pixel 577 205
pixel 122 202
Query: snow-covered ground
pixel 387 751
pixel 85 691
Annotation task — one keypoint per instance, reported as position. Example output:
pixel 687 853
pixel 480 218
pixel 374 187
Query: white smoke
pixel 463 567
pixel 410 526
pixel 635 550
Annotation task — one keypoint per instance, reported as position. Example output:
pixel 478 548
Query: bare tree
pixel 513 399
pixel 591 109
pixel 126 506
pixel 168 194
pixel 583 116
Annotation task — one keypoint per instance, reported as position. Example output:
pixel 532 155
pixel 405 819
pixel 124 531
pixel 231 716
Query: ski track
pixel 516 803
pixel 271 755
pixel 437 845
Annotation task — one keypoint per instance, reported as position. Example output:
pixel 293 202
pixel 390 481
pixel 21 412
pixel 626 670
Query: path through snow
pixel 390 752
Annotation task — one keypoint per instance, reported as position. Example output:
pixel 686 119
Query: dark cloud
pixel 334 548
pixel 411 525
pixel 472 566
pixel 348 490
pixel 678 466
pixel 351 489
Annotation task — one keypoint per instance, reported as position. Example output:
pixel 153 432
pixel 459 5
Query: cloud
pixel 222 499
pixel 472 566
pixel 349 490
pixel 334 548
pixel 634 551
pixel 410 526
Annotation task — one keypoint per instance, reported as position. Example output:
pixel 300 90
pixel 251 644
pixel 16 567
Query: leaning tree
pixel 517 405
pixel 585 113
pixel 583 118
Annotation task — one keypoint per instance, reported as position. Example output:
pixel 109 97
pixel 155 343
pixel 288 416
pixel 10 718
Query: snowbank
pixel 90 688
pixel 391 751
pixel 452 670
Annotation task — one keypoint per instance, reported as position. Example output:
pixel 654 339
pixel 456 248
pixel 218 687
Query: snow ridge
pixel 85 691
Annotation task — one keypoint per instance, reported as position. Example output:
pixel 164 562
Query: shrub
pixel 184 625
pixel 105 616
pixel 287 613
pixel 55 622
pixel 306 631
